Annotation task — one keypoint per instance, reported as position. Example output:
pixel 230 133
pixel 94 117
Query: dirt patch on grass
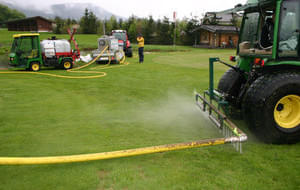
pixel 102 174
pixel 88 49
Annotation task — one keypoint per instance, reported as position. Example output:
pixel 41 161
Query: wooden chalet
pixel 218 30
pixel 32 24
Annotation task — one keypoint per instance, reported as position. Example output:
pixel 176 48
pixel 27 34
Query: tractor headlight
pixel 11 58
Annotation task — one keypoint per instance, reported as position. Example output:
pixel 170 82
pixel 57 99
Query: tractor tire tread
pixel 226 80
pixel 255 102
pixel 230 84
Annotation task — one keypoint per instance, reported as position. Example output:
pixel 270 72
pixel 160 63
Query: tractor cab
pixel 270 30
pixel 25 49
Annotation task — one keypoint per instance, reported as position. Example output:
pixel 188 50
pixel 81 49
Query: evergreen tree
pixel 108 27
pixel 181 25
pixel 132 33
pixel 131 28
pixel 140 26
pixel 88 23
pixel 84 22
pixel 149 30
pixel 59 25
pixel 114 23
pixel 92 23
pixel 164 32
pixel 157 32
pixel 120 23
pixel 100 29
pixel 191 35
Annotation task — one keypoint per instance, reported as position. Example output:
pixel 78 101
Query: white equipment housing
pixel 114 51
pixel 51 47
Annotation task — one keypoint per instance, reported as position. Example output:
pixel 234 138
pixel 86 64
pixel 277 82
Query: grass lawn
pixel 133 106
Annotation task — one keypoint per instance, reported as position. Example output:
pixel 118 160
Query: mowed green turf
pixel 133 106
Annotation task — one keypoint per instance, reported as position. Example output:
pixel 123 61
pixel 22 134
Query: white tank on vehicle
pixel 51 47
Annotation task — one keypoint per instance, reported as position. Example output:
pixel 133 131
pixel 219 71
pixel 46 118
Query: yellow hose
pixel 122 63
pixel 74 70
pixel 107 155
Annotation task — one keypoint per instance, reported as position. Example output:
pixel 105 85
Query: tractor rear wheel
pixel 230 85
pixel 271 107
pixel 34 66
pixel 67 64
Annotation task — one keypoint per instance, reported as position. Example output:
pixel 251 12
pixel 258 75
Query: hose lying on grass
pixel 97 74
pixel 114 154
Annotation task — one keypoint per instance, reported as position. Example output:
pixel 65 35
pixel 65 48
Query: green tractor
pixel 28 52
pixel 264 85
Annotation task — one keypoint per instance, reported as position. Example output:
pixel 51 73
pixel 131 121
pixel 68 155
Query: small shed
pixel 219 36
pixel 32 24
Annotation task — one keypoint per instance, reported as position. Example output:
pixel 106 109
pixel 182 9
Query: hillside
pixel 74 10
pixel 9 14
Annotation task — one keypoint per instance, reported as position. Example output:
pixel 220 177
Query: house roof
pixel 29 18
pixel 220 18
pixel 218 28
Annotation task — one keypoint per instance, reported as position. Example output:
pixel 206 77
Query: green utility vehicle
pixel 264 85
pixel 28 52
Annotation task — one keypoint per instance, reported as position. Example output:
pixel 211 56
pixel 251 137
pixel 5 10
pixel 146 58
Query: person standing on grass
pixel 141 42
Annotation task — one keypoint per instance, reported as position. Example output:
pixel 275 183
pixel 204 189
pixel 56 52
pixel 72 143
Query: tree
pixel 84 22
pixel 92 23
pixel 132 32
pixel 100 29
pixel 131 28
pixel 140 25
pixel 59 25
pixel 157 32
pixel 88 23
pixel 190 31
pixel 181 25
pixel 114 23
pixel 121 23
pixel 164 33
pixel 7 14
pixel 108 27
pixel 149 31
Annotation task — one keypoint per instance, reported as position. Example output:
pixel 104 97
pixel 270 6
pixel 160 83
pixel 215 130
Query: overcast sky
pixel 142 8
